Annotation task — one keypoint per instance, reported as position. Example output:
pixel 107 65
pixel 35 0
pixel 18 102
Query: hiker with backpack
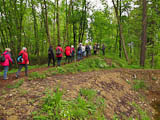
pixel 23 61
pixel 79 52
pixel 59 54
pixel 51 56
pixel 72 53
pixel 5 58
pixel 68 53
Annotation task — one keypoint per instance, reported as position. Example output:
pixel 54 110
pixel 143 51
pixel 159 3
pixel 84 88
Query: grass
pixel 138 84
pixel 87 64
pixel 80 108
pixel 36 75
pixel 16 85
pixel 143 114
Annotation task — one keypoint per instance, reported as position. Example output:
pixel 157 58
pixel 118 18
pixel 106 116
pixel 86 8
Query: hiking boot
pixel 5 79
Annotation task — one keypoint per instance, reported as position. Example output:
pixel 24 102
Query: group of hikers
pixel 70 52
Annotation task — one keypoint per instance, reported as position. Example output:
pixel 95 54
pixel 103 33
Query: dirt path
pixel 12 77
pixel 18 104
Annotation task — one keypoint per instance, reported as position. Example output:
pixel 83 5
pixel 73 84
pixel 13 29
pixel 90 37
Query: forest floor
pixel 115 85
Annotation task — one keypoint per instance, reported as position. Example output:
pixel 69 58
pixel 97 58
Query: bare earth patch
pixel 19 103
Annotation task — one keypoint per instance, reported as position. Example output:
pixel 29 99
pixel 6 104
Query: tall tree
pixel 35 28
pixel 144 33
pixel 58 23
pixel 120 28
pixel 46 22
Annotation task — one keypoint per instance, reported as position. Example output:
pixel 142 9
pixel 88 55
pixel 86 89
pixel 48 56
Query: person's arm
pixel 10 59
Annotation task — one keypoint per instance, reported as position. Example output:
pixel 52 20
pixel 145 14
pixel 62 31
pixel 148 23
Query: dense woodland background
pixel 130 29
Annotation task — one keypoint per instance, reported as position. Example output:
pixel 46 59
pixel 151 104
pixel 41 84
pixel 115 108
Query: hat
pixel 24 48
pixel 8 49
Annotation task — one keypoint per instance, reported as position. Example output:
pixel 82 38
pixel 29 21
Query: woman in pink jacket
pixel 5 64
pixel 23 63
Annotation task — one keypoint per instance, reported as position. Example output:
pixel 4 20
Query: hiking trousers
pixel 49 61
pixel 20 68
pixel 59 61
pixel 5 72
pixel 68 58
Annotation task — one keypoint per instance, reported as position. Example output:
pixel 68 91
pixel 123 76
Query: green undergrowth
pixel 133 63
pixel 121 62
pixel 16 84
pixel 88 64
pixel 36 75
pixel 87 106
pixel 139 84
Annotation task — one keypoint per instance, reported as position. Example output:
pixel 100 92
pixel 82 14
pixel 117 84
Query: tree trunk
pixel 144 34
pixel 120 28
pixel 58 24
pixel 54 26
pixel 35 29
pixel 46 23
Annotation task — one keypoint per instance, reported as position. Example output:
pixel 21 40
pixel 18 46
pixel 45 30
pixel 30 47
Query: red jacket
pixel 7 59
pixel 68 51
pixel 25 57
pixel 60 55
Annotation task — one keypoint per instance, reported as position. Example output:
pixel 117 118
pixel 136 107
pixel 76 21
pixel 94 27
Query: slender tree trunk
pixel 144 34
pixel 35 29
pixel 46 23
pixel 84 22
pixel 54 26
pixel 120 27
pixel 58 24
pixel 120 40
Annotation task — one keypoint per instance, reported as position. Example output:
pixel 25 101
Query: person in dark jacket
pixel 5 64
pixel 87 49
pixel 95 49
pixel 51 56
pixel 79 52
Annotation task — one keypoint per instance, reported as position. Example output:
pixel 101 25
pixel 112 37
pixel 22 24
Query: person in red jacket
pixel 68 53
pixel 59 54
pixel 5 64
pixel 24 62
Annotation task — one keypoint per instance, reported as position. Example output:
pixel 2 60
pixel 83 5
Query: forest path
pixel 114 85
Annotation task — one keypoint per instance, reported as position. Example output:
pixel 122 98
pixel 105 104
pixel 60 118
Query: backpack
pixel 20 58
pixel 2 58
pixel 58 51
